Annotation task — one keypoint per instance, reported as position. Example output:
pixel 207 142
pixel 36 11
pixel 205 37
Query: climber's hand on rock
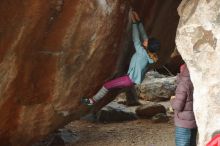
pixel 136 16
pixel 132 16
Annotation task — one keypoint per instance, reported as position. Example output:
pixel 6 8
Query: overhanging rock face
pixel 51 54
pixel 197 40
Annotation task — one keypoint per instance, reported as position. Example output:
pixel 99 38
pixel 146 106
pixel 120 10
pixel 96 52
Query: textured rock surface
pixel 157 87
pixel 198 38
pixel 47 49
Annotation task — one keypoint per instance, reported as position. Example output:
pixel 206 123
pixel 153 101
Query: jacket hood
pixel 184 72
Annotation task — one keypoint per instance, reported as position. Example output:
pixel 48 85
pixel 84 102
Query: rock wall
pixel 197 40
pixel 52 53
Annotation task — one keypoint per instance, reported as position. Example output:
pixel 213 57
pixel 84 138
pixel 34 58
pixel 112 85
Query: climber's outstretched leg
pixel 120 82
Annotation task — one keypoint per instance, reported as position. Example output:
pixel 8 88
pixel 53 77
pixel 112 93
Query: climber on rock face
pixel 143 56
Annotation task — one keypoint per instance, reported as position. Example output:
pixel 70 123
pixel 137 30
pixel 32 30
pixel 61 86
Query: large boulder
pixel 198 38
pixel 47 49
pixel 157 87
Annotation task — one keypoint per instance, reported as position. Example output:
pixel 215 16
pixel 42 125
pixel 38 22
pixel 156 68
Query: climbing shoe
pixel 87 102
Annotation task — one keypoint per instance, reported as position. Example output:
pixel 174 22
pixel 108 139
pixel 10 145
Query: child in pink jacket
pixel 186 129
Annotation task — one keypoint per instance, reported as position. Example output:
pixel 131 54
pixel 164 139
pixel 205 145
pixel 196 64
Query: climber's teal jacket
pixel 140 59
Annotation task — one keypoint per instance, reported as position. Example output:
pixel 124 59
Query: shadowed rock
pixel 114 112
pixel 47 49
pixel 150 109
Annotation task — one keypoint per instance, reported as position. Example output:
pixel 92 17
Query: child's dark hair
pixel 153 45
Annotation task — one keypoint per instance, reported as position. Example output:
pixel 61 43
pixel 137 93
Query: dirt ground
pixel 141 132
pixel 134 133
